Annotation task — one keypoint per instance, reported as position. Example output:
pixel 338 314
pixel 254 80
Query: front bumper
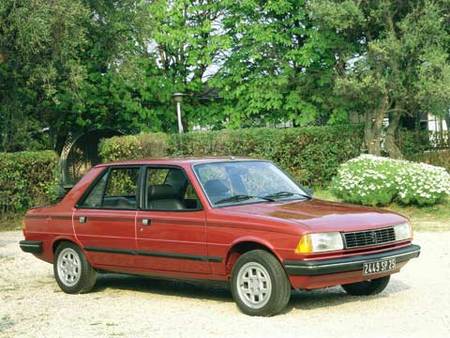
pixel 34 247
pixel 347 264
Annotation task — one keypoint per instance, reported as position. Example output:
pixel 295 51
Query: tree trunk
pixel 369 137
pixel 373 126
pixel 447 122
pixel 390 143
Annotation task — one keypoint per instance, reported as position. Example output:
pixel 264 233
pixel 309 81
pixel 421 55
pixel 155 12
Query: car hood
pixel 318 215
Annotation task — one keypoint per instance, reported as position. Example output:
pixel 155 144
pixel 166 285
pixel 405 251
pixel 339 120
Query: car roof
pixel 177 161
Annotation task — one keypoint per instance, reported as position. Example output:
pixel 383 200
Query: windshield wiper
pixel 281 194
pixel 238 198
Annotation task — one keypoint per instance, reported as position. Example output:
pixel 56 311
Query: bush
pixel 311 154
pixel 439 158
pixel 413 142
pixel 133 147
pixel 27 179
pixel 372 180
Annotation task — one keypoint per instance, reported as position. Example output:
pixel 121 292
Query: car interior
pixel 119 202
pixel 217 189
pixel 170 191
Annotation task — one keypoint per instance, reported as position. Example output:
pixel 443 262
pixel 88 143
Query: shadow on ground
pixel 200 290
pixel 335 296
pixel 301 300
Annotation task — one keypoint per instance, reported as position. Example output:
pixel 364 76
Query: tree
pixel 69 66
pixel 40 43
pixel 396 60
pixel 64 68
pixel 107 96
pixel 277 69
pixel 185 47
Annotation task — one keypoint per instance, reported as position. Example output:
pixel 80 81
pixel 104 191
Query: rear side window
pixel 94 199
pixel 117 189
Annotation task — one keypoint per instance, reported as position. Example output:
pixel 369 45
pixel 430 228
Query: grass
pixel 429 218
pixel 433 218
pixel 10 222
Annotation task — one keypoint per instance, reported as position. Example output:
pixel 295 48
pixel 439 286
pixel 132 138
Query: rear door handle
pixel 146 221
pixel 83 219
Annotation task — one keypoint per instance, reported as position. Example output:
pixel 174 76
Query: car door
pixel 170 228
pixel 105 218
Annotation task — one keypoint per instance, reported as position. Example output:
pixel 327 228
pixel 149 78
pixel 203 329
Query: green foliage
pixel 73 65
pixel 395 59
pixel 438 158
pixel 134 147
pixel 185 45
pixel 414 143
pixel 277 69
pixel 372 180
pixel 311 154
pixel 64 67
pixel 40 46
pixel 27 179
pixel 112 93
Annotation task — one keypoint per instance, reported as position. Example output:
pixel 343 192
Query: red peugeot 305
pixel 239 221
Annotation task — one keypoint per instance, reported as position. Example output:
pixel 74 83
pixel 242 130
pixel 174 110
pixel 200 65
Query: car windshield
pixel 240 182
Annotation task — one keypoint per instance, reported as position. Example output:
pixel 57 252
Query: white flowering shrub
pixel 373 180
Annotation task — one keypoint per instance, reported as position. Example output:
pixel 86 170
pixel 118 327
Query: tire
pixel 261 271
pixel 72 271
pixel 367 288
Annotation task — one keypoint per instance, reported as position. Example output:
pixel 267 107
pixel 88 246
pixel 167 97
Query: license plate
pixel 383 265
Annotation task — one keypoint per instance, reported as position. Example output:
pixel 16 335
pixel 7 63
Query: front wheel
pixel 368 287
pixel 73 273
pixel 259 284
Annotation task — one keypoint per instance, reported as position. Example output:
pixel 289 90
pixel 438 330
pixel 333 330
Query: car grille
pixel 371 237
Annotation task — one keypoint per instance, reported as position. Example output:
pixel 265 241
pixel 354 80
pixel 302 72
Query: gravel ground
pixel 415 304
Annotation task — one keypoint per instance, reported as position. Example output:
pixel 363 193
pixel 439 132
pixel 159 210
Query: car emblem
pixel 373 237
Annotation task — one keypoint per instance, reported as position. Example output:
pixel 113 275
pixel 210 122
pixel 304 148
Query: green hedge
pixel 414 142
pixel 27 179
pixel 132 147
pixel 439 158
pixel 311 154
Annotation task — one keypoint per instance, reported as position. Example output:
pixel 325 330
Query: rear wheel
pixel 72 271
pixel 259 284
pixel 367 288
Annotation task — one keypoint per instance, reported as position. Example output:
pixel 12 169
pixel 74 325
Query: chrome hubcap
pixel 69 267
pixel 254 285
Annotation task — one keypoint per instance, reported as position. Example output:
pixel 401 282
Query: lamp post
pixel 178 98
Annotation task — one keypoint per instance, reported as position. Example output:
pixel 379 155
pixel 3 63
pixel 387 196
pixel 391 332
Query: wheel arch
pixel 246 244
pixel 57 241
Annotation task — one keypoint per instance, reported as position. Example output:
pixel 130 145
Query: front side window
pixel 117 189
pixel 169 189
pixel 230 183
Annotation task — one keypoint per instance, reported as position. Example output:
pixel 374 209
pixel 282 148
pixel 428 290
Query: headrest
pixel 161 192
pixel 215 187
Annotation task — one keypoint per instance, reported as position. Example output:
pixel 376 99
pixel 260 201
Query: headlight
pixel 402 231
pixel 320 242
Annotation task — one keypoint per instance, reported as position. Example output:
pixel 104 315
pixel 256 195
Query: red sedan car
pixel 240 221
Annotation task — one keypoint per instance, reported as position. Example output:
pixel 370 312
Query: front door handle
pixel 146 221
pixel 83 219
